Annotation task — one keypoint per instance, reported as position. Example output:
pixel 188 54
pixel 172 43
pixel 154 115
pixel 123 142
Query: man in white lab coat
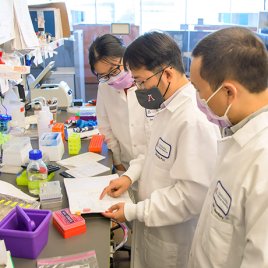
pixel 175 173
pixel 124 123
pixel 230 70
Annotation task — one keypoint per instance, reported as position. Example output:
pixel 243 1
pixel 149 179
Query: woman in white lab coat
pixel 123 122
pixel 230 70
pixel 175 173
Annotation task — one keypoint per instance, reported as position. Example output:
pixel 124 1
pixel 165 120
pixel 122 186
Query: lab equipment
pixel 60 91
pixel 50 190
pixel 44 120
pixel 59 127
pixel 25 243
pixel 22 178
pixel 15 151
pixel 74 143
pixel 36 171
pixel 68 224
pixel 51 145
pixel 50 195
pixel 95 144
pixel 4 122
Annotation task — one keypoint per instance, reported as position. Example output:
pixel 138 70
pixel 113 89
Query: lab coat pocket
pixel 159 253
pixel 216 241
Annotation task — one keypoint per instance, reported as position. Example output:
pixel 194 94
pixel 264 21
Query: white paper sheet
pixel 89 170
pixel 7 21
pixel 80 160
pixel 25 26
pixel 11 190
pixel 83 194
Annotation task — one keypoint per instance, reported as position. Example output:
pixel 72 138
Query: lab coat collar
pixel 251 129
pixel 183 93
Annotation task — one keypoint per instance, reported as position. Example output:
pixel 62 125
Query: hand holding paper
pixel 116 212
pixel 83 194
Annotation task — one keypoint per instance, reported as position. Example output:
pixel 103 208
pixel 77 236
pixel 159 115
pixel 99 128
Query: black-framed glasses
pixel 113 72
pixel 140 85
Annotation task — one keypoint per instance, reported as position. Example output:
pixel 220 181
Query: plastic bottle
pixel 36 171
pixel 44 121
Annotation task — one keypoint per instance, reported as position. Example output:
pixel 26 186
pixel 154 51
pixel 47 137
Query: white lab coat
pixel 124 123
pixel 173 184
pixel 232 231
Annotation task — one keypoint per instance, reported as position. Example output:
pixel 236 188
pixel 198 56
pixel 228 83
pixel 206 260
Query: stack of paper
pixel 84 165
pixel 80 160
pixel 84 194
pixel 24 31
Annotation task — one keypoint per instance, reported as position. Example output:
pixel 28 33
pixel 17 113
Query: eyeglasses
pixel 140 85
pixel 113 72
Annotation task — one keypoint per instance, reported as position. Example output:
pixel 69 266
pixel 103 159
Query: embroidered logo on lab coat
pixel 150 98
pixel 222 200
pixel 163 148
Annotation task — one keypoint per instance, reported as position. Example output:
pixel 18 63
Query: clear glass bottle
pixel 36 171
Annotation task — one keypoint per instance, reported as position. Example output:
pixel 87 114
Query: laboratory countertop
pixel 97 236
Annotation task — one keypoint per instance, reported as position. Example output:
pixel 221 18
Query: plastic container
pixel 51 145
pixel 44 121
pixel 4 122
pixel 59 127
pixel 36 171
pixel 68 224
pixel 24 243
pixel 95 144
pixel 74 143
pixel 16 151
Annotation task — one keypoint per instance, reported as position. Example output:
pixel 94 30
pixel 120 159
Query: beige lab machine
pixel 61 91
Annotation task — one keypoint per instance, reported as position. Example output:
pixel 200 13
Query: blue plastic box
pixel 20 242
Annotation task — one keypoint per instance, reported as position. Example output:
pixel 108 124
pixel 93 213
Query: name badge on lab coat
pixel 163 148
pixel 222 199
pixel 150 113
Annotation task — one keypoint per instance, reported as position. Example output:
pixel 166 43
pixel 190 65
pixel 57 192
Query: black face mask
pixel 150 98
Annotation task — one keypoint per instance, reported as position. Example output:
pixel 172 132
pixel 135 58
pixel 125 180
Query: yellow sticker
pixel 8 202
pixel 14 204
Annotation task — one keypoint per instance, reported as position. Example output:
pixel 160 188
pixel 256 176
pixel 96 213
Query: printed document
pixel 83 194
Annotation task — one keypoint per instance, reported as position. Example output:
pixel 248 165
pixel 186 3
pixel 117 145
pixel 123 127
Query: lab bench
pixel 97 236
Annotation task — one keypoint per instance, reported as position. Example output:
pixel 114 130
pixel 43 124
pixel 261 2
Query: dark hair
pixel 233 53
pixel 104 48
pixel 151 51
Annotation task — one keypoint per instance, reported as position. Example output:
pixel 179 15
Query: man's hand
pixel 116 187
pixel 119 167
pixel 116 212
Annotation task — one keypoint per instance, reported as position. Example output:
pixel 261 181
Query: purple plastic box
pixel 22 243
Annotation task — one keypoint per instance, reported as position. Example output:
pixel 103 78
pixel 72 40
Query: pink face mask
pixel 221 121
pixel 121 81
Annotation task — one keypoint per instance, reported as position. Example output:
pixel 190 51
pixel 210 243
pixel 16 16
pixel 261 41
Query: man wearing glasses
pixel 123 122
pixel 175 172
